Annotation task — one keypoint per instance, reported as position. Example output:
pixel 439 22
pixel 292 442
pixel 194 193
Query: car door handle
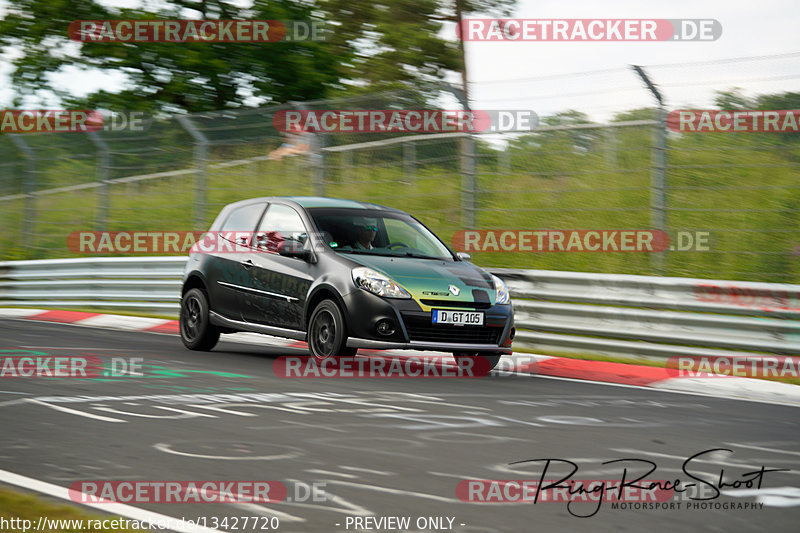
pixel 247 264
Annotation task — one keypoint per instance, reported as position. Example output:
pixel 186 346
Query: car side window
pixel 281 226
pixel 244 218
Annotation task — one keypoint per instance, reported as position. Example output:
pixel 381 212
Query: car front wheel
pixel 197 333
pixel 327 334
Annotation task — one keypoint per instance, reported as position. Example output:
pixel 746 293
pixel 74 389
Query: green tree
pixel 372 45
pixel 732 99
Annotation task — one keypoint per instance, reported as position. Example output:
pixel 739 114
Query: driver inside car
pixel 367 229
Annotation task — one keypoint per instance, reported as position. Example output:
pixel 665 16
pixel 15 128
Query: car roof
pixel 308 202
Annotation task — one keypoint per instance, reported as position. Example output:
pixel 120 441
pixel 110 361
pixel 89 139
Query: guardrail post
pixel 200 161
pixel 103 170
pixel 28 189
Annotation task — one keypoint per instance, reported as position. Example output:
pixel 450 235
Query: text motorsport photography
pixel 633 489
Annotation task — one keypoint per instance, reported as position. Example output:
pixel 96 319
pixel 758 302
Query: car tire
pixel 197 333
pixel 483 363
pixel 327 334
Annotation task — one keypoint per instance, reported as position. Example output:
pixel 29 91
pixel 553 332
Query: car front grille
pixel 467 305
pixel 421 329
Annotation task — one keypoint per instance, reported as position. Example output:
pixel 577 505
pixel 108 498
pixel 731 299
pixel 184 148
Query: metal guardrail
pixel 555 311
pixel 148 284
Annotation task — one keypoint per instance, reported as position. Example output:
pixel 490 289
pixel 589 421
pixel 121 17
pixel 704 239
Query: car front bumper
pixel 415 330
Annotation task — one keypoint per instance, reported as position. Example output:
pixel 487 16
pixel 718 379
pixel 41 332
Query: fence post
pixel 467 181
pixel 346 172
pixel 103 169
pixel 504 160
pixel 200 161
pixel 28 190
pixel 409 161
pixel 610 146
pixel 658 197
pixel 658 203
pixel 317 156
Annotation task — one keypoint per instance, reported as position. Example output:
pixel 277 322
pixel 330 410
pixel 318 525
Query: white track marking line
pixel 14 402
pixel 761 448
pixel 121 509
pixel 368 471
pixel 710 461
pixel 268 511
pixel 10 312
pixel 126 323
pixel 163 447
pixel 331 473
pixel 75 411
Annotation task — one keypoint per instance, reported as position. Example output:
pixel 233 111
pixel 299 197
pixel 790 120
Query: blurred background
pixel 602 157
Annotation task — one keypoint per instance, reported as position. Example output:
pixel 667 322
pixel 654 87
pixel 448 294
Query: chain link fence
pixel 740 188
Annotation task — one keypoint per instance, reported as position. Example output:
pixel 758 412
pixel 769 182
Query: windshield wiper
pixel 361 252
pixel 421 256
pixel 392 254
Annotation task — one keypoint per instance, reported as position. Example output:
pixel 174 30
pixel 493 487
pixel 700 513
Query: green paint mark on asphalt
pixel 156 371
pixel 164 371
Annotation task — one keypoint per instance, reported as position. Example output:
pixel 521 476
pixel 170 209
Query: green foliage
pixel 369 46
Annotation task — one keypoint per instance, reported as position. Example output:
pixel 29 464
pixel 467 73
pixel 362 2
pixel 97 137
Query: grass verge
pixel 25 506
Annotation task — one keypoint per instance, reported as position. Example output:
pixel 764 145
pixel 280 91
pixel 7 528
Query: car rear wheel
pixel 482 363
pixel 327 334
pixel 197 333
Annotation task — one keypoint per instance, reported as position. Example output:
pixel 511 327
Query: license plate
pixel 459 318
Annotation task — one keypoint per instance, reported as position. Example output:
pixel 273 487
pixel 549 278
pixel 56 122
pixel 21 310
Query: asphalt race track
pixel 385 447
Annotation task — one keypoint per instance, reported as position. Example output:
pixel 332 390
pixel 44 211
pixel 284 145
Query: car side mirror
pixel 296 250
pixel 463 256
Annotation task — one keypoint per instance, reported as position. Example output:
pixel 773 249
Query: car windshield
pixel 376 232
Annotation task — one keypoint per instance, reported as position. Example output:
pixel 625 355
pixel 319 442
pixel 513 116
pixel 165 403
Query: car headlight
pixel 377 283
pixel 501 291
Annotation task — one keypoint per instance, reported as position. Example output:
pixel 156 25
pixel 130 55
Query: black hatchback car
pixel 340 275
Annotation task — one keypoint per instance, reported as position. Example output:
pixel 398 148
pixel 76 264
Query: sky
pixel 595 77
pixel 687 78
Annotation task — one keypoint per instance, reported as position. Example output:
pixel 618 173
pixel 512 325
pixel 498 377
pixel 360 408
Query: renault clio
pixel 340 275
